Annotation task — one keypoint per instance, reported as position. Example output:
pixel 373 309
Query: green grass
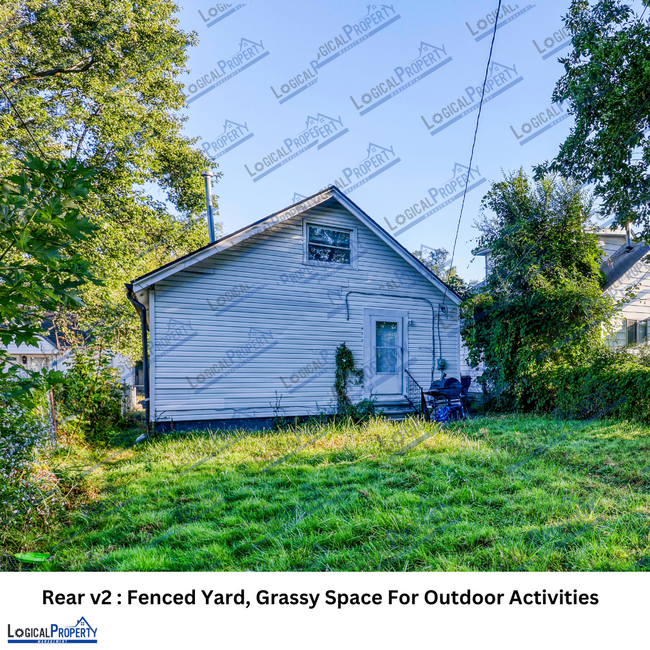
pixel 503 494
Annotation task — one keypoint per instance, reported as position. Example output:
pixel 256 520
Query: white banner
pixel 326 610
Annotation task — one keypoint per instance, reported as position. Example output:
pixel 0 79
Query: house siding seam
pixel 252 332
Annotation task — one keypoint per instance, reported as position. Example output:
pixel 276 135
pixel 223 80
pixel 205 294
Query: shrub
pixel 541 305
pixel 24 488
pixel 90 396
pixel 359 412
pixel 615 383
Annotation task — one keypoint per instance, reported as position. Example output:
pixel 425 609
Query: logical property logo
pixel 540 122
pixel 507 14
pixel 429 59
pixel 218 12
pixel 178 332
pixel 376 18
pixel 373 379
pixel 248 54
pixel 233 297
pixel 319 131
pixel 378 159
pixel 296 84
pixel 449 191
pixel 80 632
pixel 318 275
pixel 337 295
pixel 553 43
pixel 259 342
pixel 233 135
pixel 299 378
pixel 500 78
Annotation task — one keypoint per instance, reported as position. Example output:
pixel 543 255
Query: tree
pixel 41 269
pixel 607 86
pixel 95 80
pixel 438 260
pixel 542 301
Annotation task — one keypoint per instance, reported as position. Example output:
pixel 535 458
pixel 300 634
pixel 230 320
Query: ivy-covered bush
pixel 347 372
pixel 89 399
pixel 611 383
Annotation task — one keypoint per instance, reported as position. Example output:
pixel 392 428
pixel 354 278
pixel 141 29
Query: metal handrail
pixel 415 394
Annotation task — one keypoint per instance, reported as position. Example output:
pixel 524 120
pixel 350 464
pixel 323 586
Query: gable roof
pixel 617 265
pixel 330 194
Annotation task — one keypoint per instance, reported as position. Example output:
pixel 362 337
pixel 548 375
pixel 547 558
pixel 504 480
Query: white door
pixel 385 352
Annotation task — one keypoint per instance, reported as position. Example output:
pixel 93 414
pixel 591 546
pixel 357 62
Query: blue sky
pixel 439 48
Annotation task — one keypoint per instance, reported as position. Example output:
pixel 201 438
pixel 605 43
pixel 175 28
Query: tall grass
pixel 503 493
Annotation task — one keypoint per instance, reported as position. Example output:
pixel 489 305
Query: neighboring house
pixel 246 328
pixel 53 352
pixel 627 272
pixel 44 355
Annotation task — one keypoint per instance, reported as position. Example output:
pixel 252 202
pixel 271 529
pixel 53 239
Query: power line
pixel 471 157
pixel 545 232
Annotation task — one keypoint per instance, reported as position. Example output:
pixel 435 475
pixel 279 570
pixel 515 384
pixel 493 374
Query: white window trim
pixel 323 224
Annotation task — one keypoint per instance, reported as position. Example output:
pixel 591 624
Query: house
pixel 54 352
pixel 245 329
pixel 42 356
pixel 627 279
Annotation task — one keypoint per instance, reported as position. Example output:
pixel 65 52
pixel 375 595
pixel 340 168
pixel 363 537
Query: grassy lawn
pixel 502 493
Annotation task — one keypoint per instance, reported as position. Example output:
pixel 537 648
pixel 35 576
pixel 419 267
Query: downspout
pixel 145 351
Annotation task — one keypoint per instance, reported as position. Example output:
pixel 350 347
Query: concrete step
pixel 395 410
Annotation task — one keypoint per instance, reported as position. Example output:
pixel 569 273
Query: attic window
pixel 328 245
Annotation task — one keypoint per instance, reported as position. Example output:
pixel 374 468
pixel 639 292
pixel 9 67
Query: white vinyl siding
pixel 636 310
pixel 610 242
pixel 284 319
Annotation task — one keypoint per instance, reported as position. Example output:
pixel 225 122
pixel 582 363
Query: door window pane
pixel 387 345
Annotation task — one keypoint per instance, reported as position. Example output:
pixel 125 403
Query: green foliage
pixel 96 80
pixel 607 86
pixel 542 303
pixel 23 489
pixel 359 412
pixel 41 265
pixel 609 383
pixel 89 399
pixel 438 260
pixel 40 223
pixel 346 370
